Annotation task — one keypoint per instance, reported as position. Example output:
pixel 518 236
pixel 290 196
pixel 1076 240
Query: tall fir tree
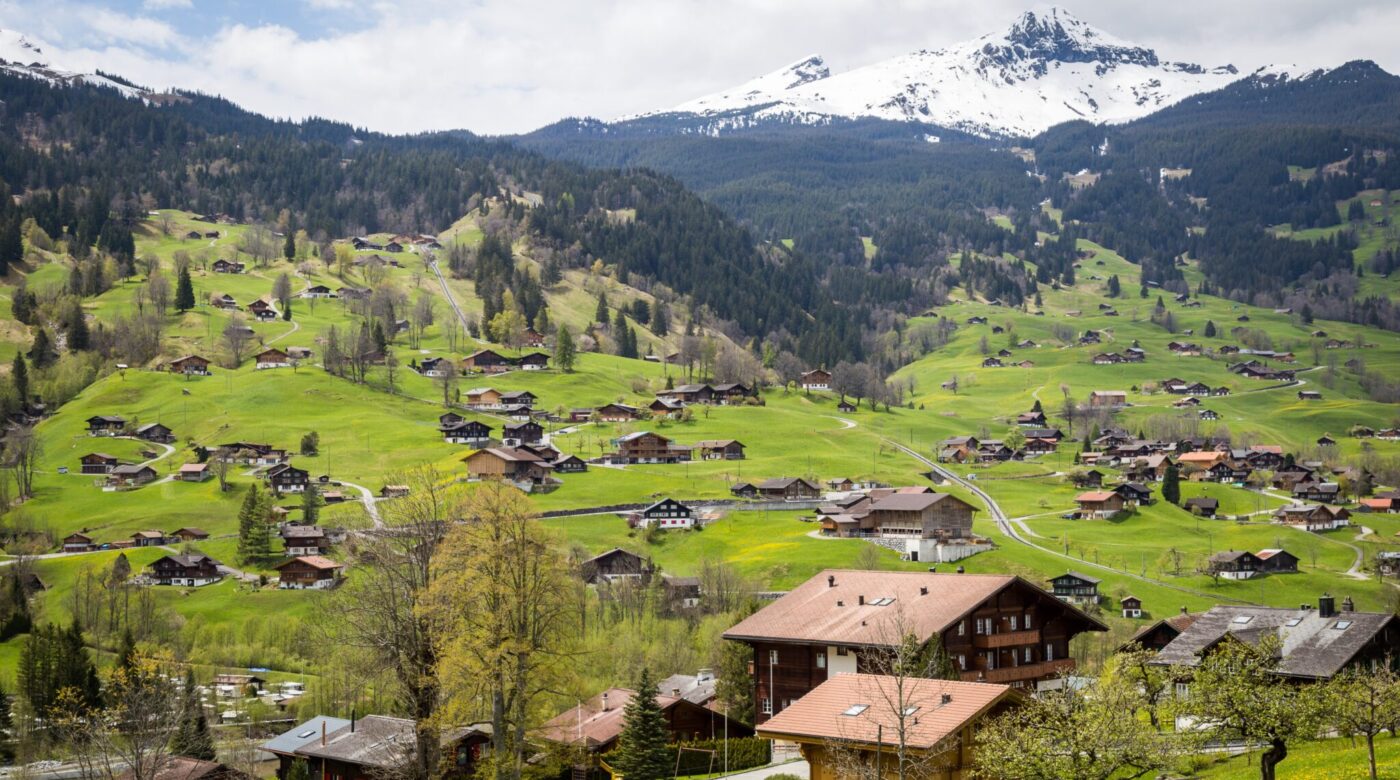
pixel 660 319
pixel 193 738
pixel 565 352
pixel 600 315
pixel 42 354
pixel 642 753
pixel 78 337
pixel 619 333
pixel 126 653
pixel 250 524
pixel 310 506
pixel 1171 485
pixel 19 377
pixel 289 248
pixel 11 242
pixel 184 291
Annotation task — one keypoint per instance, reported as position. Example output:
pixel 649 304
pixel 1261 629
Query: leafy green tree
pixel 1363 704
pixel 641 753
pixel 1236 693
pixel 1171 485
pixel 565 353
pixel 184 291
pixel 298 771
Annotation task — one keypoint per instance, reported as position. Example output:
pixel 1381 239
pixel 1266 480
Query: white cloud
pixel 162 5
pixel 506 66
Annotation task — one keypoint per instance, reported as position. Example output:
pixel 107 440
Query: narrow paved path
pixel 369 501
pixel 1010 528
pixel 432 263
pixel 845 424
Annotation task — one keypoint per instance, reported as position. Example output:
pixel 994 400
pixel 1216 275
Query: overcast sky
pixel 504 66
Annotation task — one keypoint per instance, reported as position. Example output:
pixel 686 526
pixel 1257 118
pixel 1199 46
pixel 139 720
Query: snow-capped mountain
pixel 1048 68
pixel 20 55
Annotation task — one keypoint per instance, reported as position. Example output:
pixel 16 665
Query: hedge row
pixel 744 753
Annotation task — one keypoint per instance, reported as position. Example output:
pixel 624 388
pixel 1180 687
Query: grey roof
pixel 1313 647
pixel 690 688
pixel 1082 576
pixel 908 502
pixel 376 740
pixel 304 734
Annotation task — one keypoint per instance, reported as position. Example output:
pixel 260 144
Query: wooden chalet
pixel 129 475
pixel 667 513
pixel 189 365
pixel 1234 564
pixel 1073 587
pixel 272 358
pixel 308 572
pixel 300 540
pixel 1202 506
pixel 148 539
pixel 513 464
pixel 595 725
pixel 78 542
pixel 1277 561
pixel 848 718
pixel 486 361
pixel 995 628
pixel 617 413
pixel 818 379
pixel 461 431
pixel 106 425
pixel 720 449
pixel 262 311
pixel 649 447
pixel 222 266
pixel 189 534
pixel 373 747
pixel 155 432
pixel 1131 607
pixel 1313 517
pixel 1108 398
pixel 190 571
pixel 97 463
pixel 788 489
pixel 515 434
pixel 286 478
pixel 1098 504
pixel 616 564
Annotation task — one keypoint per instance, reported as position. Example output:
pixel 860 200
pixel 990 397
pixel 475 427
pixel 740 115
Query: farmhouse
pixel 222 266
pixel 1314 644
pixel 616 564
pixel 1234 564
pixel 308 572
pixel 465 431
pixel 371 747
pixel 1075 588
pixel 106 425
pixel 788 489
pixel 1098 504
pixel 515 434
pixel 1131 607
pixel 486 361
pixel 667 513
pixel 482 398
pixel 98 463
pixel 286 478
pixel 1309 395
pixel 595 725
pixel 516 465
pixel 720 449
pixel 304 540
pixel 1277 561
pixel 272 358
pixel 189 534
pixel 189 365
pixel 816 379
pixel 848 718
pixel 1309 490
pixel 665 407
pixel 689 394
pixel 1031 419
pixel 262 310
pixel 189 571
pixel 77 542
pixel 131 475
pixel 1313 517
pixel 995 628
pixel 251 454
pixel 618 413
pixel 147 539
pixel 1202 506
pixel 648 447
pixel 318 291
pixel 1108 398
pixel 1158 635
pixel 532 361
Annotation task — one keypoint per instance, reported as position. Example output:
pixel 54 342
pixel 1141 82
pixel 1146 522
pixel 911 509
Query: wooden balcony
pixel 1010 674
pixel 1007 639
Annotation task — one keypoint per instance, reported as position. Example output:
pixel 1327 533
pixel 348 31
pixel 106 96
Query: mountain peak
pixel 804 71
pixel 1056 35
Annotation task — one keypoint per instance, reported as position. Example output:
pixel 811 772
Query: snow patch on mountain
pixel 1047 68
pixel 25 57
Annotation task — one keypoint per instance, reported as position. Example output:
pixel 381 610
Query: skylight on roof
pixel 1293 622
pixel 307 733
pixel 1342 625
pixel 910 710
pixel 855 709
pixel 1242 619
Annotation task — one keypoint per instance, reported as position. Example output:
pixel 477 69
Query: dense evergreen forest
pixel 87 162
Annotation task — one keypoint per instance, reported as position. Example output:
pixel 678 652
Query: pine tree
pixel 631 351
pixel 564 349
pixel 1210 329
pixel 619 333
pixel 642 753
pixel 11 242
pixel 1114 286
pixel 250 524
pixel 1171 485
pixel 126 654
pixel 42 354
pixel 193 738
pixel 287 310
pixel 19 377
pixel 310 506
pixel 289 249
pixel 184 291
pixel 600 316
pixel 78 337
pixel 298 771
pixel 660 318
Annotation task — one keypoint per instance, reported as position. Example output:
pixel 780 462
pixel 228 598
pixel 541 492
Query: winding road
pixel 1009 527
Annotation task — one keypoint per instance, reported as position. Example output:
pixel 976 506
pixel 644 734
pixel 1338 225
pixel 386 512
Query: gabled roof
pixel 856 708
pixel 314 561
pixel 818 612
pixel 1081 576
pixel 1312 646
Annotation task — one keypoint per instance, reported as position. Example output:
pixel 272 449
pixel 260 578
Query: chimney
pixel 1347 605
pixel 323 732
pixel 947 698
pixel 860 600
pixel 923 590
pixel 605 701
pixel 352 720
pixel 840 603
pixel 1326 606
pixel 1184 610
pixel 676 692
pixel 831 580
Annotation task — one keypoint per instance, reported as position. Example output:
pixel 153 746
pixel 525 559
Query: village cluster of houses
pixel 970 449
pixel 917 522
pixel 396 243
pixel 816 649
